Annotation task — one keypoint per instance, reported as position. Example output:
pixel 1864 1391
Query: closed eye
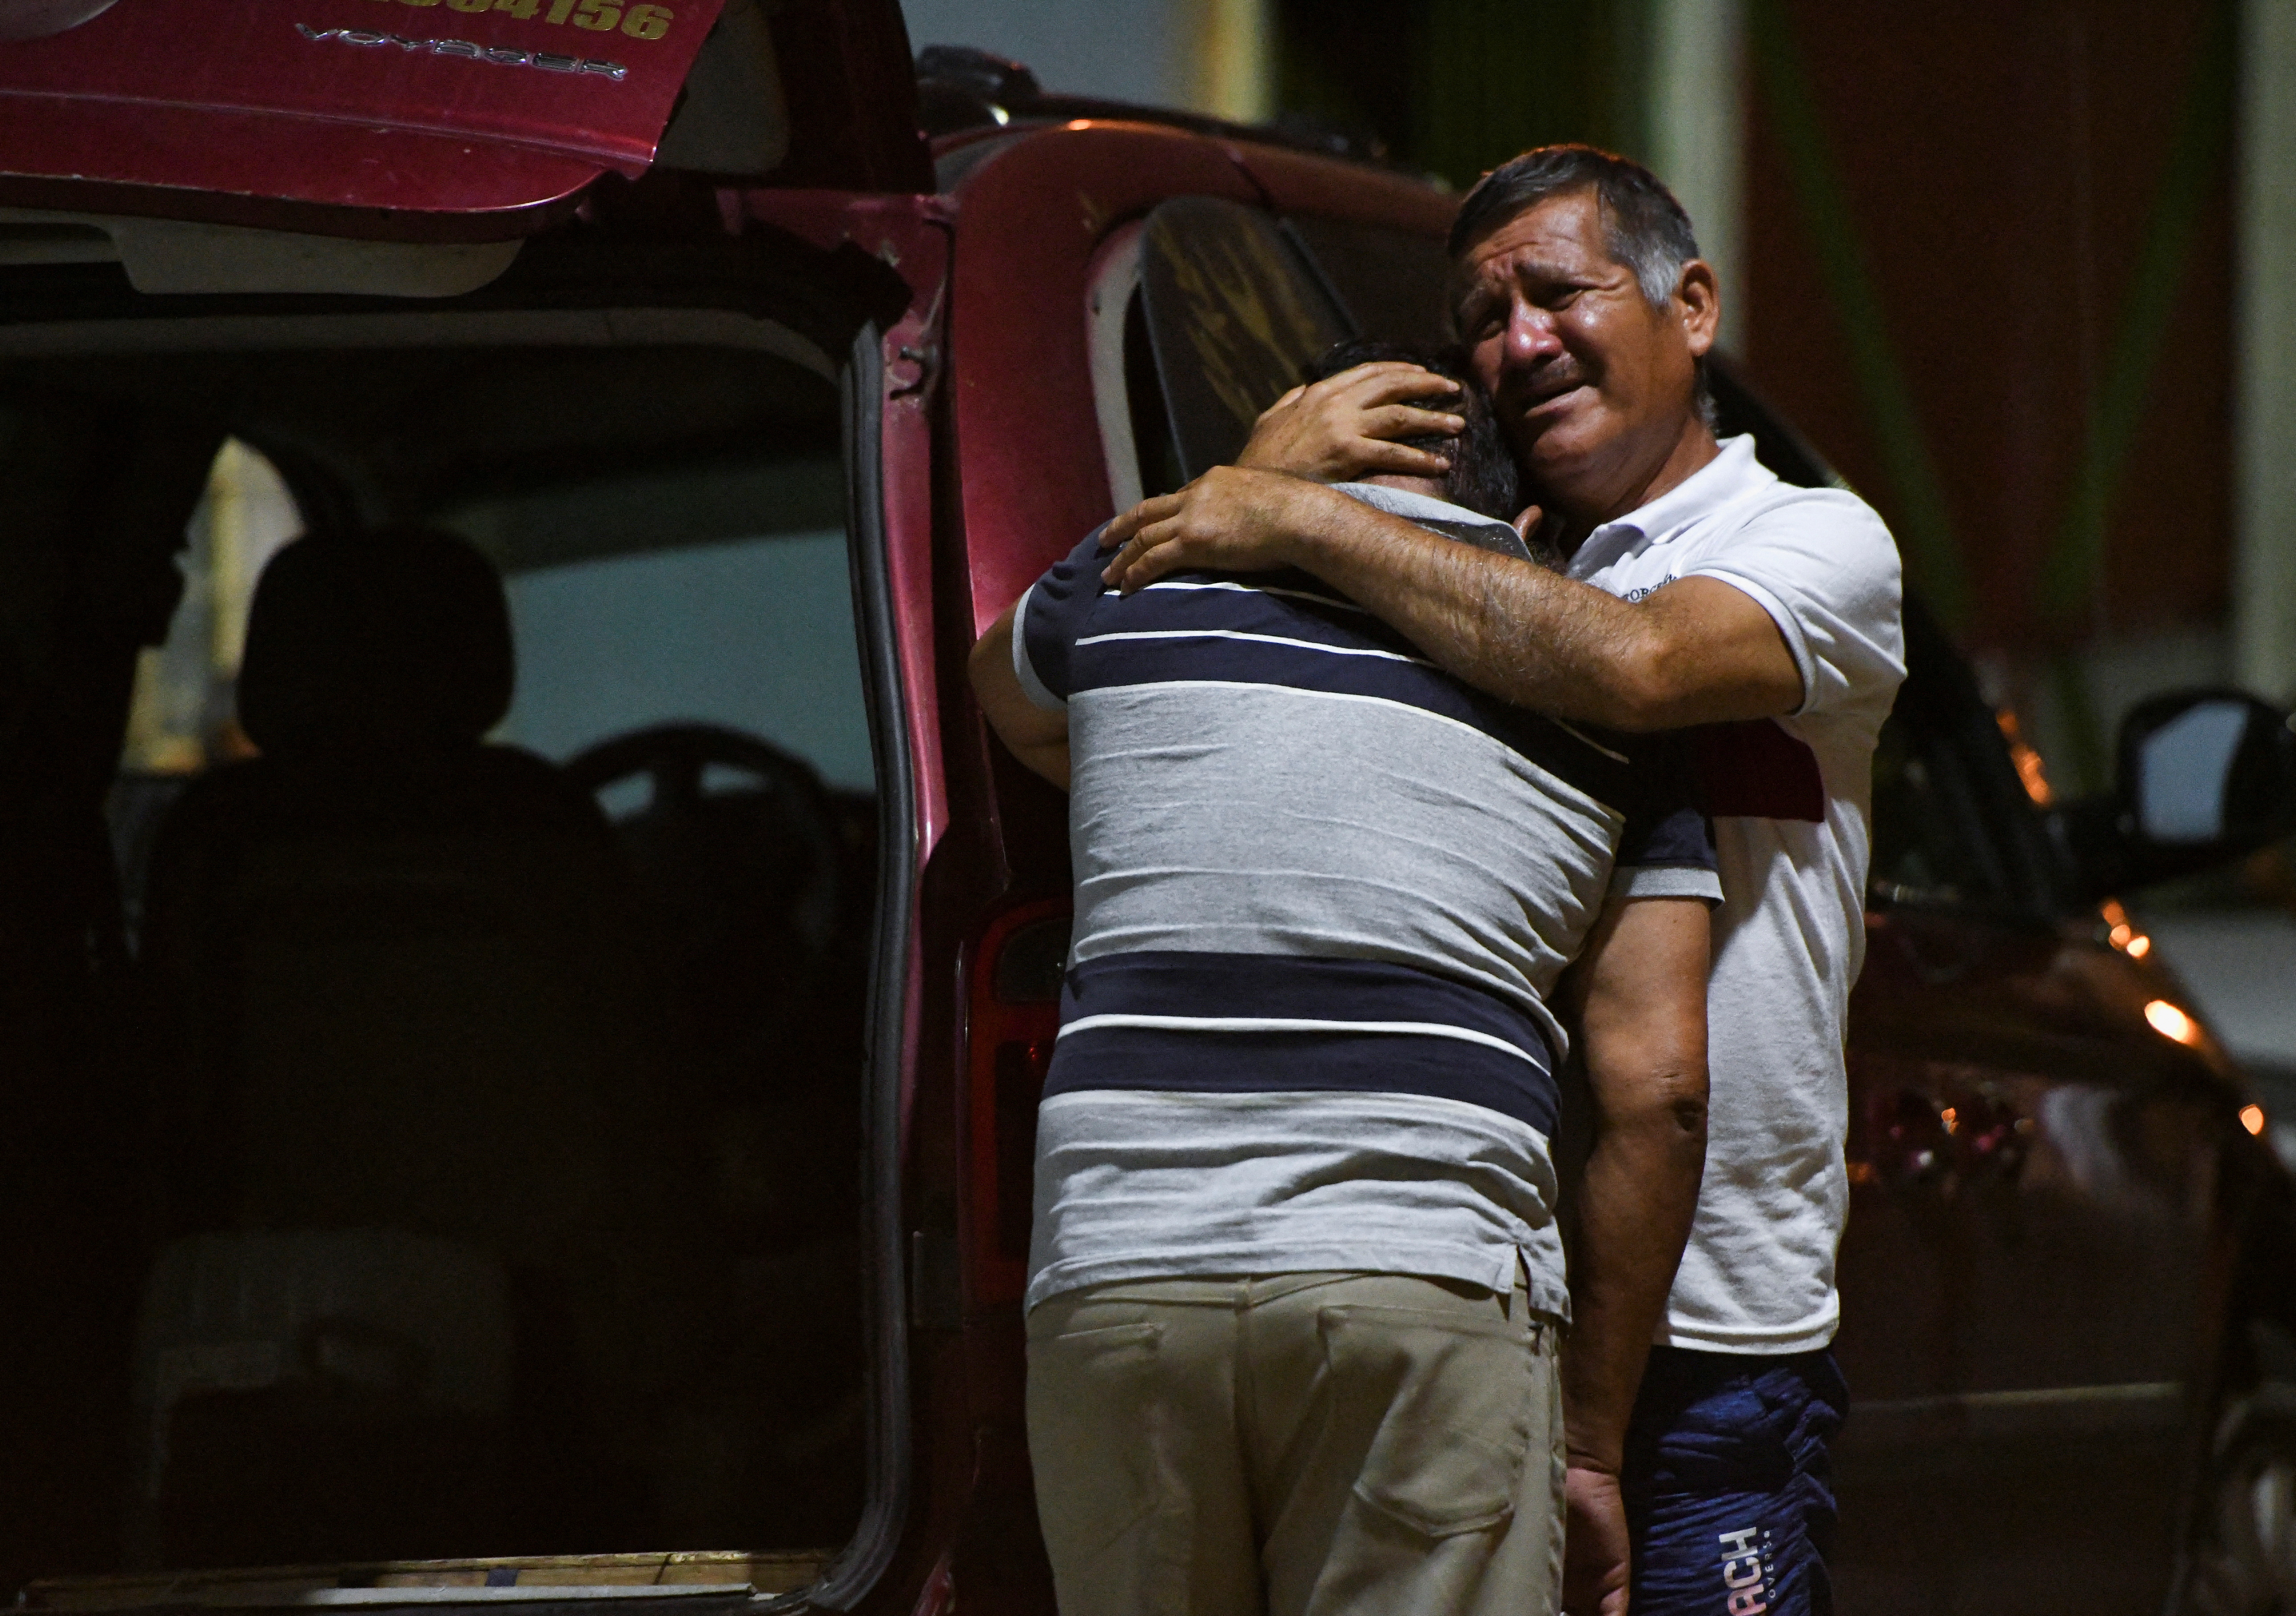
pixel 1478 319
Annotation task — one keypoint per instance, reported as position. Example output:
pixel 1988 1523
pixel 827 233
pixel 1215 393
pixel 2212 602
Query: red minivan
pixel 521 1041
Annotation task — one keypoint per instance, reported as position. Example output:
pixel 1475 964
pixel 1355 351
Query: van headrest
pixel 360 641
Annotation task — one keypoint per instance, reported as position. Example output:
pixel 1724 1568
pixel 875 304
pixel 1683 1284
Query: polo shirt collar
pixel 1413 507
pixel 1697 496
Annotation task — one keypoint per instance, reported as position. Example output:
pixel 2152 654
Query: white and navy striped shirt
pixel 1321 893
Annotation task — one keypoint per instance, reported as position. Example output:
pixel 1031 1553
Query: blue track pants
pixel 1729 1489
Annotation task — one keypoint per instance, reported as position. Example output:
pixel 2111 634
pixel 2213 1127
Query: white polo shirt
pixel 1792 804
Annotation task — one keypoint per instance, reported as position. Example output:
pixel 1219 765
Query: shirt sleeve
pixel 1826 570
pixel 1050 619
pixel 1666 849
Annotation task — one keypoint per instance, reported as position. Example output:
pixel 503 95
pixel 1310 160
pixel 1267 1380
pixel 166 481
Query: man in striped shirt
pixel 1296 1276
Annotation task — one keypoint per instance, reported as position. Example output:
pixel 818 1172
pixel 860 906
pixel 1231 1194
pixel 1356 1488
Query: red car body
pixel 2066 1284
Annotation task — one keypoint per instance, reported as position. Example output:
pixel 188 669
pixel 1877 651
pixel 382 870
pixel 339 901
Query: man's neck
pixel 1571 520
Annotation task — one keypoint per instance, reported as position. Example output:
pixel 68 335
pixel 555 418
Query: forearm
pixel 1639 1194
pixel 1698 650
pixel 1511 629
pixel 1642 1013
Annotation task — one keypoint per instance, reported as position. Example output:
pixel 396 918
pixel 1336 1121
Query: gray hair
pixel 1644 226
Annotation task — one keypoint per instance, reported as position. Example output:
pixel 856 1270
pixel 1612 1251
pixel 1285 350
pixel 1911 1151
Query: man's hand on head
pixel 1229 519
pixel 1344 426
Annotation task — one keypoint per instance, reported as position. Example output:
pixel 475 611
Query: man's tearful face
pixel 1590 381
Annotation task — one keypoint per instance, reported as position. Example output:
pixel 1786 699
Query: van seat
pixel 409 1062
pixel 275 1369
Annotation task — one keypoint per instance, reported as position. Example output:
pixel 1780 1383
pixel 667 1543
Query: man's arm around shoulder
pixel 1697 652
pixel 1641 992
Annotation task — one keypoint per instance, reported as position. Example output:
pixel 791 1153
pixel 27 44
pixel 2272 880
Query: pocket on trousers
pixel 1094 1435
pixel 1441 1408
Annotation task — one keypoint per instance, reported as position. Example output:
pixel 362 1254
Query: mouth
pixel 1549 397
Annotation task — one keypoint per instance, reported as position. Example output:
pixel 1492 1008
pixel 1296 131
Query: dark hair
pixel 1646 228
pixel 1484 478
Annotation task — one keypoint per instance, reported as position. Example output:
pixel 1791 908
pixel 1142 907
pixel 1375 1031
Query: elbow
pixel 1638 713
pixel 1677 1107
pixel 1637 687
pixel 1688 1091
pixel 1650 691
pixel 1668 1111
pixel 1686 1112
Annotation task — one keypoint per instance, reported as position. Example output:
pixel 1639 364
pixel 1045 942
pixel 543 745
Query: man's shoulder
pixel 1082 566
pixel 1809 534
pixel 1773 503
pixel 1735 504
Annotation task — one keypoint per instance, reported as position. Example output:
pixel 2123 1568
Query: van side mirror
pixel 2205 776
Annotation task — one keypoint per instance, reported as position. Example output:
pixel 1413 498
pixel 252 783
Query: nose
pixel 1533 339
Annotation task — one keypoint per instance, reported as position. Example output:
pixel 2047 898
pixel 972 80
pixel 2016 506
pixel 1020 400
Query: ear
pixel 1698 299
pixel 1528 522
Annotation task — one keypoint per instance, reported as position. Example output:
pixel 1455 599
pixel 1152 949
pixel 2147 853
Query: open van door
pixel 654 282
pixel 463 122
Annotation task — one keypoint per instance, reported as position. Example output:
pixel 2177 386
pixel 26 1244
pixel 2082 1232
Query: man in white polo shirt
pixel 1701 591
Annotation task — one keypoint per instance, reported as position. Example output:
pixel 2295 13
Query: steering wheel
pixel 772 840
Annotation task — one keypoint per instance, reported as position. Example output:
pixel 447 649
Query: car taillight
pixel 1013 1018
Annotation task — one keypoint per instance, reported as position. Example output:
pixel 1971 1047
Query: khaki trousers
pixel 1297 1445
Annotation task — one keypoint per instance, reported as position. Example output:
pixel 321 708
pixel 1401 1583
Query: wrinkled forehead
pixel 1562 240
pixel 1479 281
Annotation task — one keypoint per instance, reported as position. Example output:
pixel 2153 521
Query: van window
pixel 1392 283
pixel 1235 312
pixel 616 629
pixel 1231 305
